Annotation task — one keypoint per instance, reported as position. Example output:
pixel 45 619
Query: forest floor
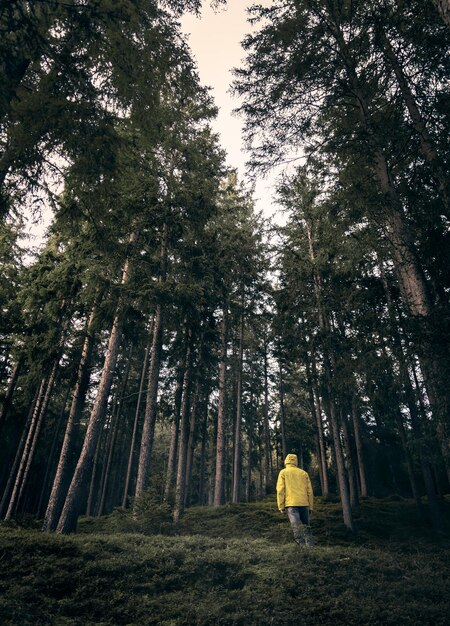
pixel 233 565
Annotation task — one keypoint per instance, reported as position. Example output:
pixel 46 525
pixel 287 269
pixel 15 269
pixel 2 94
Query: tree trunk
pixel 77 491
pixel 267 452
pixel 282 415
pixel 60 482
pixel 204 435
pixel 220 446
pixel 135 424
pixel 317 412
pixel 359 449
pixel 412 282
pixel 51 462
pixel 238 425
pixel 114 426
pixel 184 428
pixel 20 452
pixel 174 432
pixel 354 499
pixel 148 429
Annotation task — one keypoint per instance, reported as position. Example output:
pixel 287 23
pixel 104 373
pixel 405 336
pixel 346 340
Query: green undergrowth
pixel 232 565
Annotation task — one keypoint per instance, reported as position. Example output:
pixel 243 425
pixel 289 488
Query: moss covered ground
pixel 234 565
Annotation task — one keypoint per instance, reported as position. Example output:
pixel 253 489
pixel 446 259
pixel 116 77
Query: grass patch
pixel 231 565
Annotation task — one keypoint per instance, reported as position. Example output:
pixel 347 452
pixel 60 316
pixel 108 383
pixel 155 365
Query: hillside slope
pixel 229 566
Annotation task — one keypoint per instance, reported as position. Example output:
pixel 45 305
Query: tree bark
pixel 60 481
pixel 20 453
pixel 220 446
pixel 282 415
pixel 351 473
pixel 148 429
pixel 237 462
pixel 135 423
pixel 267 451
pixel 51 462
pixel 114 426
pixel 77 491
pixel 184 428
pixel 204 436
pixel 359 449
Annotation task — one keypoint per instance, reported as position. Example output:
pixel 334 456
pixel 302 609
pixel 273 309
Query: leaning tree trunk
pixel 59 488
pixel 174 432
pixel 76 495
pixel 148 429
pixel 51 461
pixel 20 452
pixel 220 446
pixel 34 426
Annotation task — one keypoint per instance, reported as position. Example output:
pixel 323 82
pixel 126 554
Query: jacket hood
pixel 291 459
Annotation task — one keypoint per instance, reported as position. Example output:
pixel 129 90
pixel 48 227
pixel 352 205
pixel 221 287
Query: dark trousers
pixel 298 514
pixel 299 518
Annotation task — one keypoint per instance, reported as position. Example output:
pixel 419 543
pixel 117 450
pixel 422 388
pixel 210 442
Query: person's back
pixel 295 495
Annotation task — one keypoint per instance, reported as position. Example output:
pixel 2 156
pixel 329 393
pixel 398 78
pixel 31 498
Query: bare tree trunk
pixel 135 424
pixel 90 506
pixel 20 452
pixel 359 449
pixel 184 426
pixel 204 435
pixel 267 451
pixel 191 443
pixel 238 425
pixel 220 446
pixel 77 491
pixel 30 445
pixel 60 481
pixel 114 427
pixel 282 415
pixel 51 462
pixel 174 432
pixel 354 499
pixel 316 409
pixel 10 391
pixel 148 429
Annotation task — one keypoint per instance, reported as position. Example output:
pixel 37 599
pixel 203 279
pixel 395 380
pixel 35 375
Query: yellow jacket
pixel 294 486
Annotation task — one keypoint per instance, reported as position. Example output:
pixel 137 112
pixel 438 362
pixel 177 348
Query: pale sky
pixel 215 40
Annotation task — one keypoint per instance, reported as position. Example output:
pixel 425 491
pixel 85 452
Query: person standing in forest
pixel 295 496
